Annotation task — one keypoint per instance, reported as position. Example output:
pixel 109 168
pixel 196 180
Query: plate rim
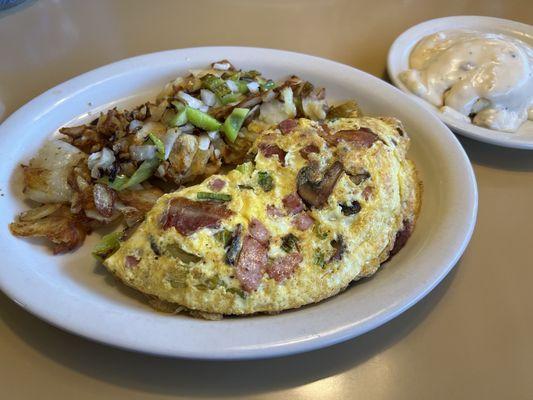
pixel 320 341
pixel 414 34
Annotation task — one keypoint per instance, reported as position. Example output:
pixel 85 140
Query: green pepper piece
pixel 145 171
pixel 213 196
pixel 160 146
pixel 107 245
pixel 230 98
pixel 202 120
pixel 175 118
pixel 216 85
pixel 233 123
pixel 265 181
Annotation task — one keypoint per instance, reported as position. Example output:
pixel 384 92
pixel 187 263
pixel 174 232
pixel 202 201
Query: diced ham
pixel 269 150
pixel 310 148
pixel 273 211
pixel 188 216
pixel 303 221
pixel 131 261
pixel 217 184
pixel 401 237
pixel 367 192
pixel 258 231
pixel 362 137
pixel 283 267
pixel 251 263
pixel 287 125
pixel 293 203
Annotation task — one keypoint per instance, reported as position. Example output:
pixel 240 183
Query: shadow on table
pixel 496 156
pixel 189 377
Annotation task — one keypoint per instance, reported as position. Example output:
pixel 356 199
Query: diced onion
pixel 288 100
pixel 187 128
pixel 103 159
pixel 144 152
pixel 221 66
pixel 314 109
pixel 135 125
pixel 208 97
pixel 268 96
pixel 213 135
pixel 170 139
pixel 203 142
pixel 232 86
pixel 253 87
pixel 190 101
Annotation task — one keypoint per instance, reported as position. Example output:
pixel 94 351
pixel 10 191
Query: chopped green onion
pixel 252 74
pixel 175 118
pixel 233 123
pixel 230 98
pixel 289 242
pixel 245 187
pixel 107 245
pixel 265 181
pixel 115 184
pixel 213 196
pixel 216 85
pixel 160 146
pixel 237 291
pixel 245 168
pixel 174 250
pixel 202 120
pixel 145 171
pixel 270 84
pixel 319 233
pixel 243 87
pixel 318 259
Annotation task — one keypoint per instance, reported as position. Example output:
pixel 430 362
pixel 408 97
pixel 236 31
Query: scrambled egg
pixel 376 196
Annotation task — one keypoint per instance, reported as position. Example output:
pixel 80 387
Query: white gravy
pixel 483 78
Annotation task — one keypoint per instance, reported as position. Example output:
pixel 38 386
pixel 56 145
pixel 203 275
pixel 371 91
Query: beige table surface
pixel 472 337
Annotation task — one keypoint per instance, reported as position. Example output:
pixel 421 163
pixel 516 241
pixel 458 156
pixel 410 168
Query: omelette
pixel 316 206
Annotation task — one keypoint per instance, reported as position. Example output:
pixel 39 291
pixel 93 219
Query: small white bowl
pixel 398 61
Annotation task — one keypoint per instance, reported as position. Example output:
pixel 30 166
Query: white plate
pixel 73 293
pixel 398 61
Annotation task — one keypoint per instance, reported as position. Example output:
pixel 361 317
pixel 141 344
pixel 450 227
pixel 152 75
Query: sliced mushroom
pixel 340 248
pixel 350 209
pixel 234 246
pixel 316 193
